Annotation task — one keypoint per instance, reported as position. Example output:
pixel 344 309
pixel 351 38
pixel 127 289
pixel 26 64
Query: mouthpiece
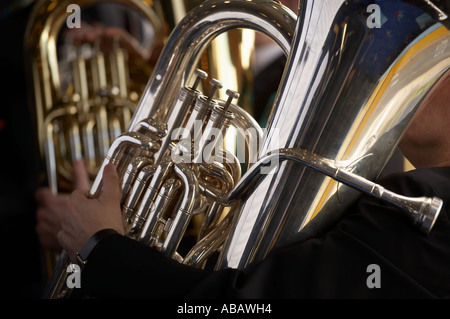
pixel 428 214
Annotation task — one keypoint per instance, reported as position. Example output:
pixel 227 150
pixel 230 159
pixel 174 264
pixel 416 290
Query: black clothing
pixel 22 272
pixel 335 265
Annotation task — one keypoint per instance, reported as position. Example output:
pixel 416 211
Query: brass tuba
pixel 339 113
pixel 83 94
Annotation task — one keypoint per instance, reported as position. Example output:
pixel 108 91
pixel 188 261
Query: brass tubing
pixel 101 121
pixel 209 243
pixel 185 210
pixel 184 106
pixel 192 35
pixel 151 126
pixel 217 172
pixel 132 199
pixel 49 147
pixel 213 134
pixel 114 126
pixel 119 70
pixel 130 139
pixel 98 69
pixel 155 222
pixel 80 83
pixel 249 128
pixel 88 137
pixel 75 145
pixel 231 162
pixel 163 171
pixel 131 172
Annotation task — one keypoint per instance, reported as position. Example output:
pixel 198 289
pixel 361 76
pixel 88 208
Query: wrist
pixel 91 244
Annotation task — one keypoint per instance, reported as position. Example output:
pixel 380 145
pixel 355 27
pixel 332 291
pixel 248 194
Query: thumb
pixel 81 176
pixel 111 186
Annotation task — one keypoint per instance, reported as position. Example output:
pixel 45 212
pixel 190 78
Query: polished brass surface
pixel 83 94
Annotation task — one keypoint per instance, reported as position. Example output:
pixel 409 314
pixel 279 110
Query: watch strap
pixel 86 250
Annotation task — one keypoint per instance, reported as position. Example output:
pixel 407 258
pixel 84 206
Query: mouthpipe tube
pixel 422 210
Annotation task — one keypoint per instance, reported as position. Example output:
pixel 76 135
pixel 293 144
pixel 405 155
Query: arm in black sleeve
pixel 339 264
pixel 120 267
pixel 335 265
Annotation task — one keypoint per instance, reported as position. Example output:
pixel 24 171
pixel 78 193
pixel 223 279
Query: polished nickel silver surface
pixel 190 38
pixel 423 211
pixel 332 78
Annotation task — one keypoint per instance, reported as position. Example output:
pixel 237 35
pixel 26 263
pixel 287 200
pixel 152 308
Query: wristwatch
pixel 84 253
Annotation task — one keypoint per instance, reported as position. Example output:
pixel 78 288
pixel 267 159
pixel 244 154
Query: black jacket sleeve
pixel 120 267
pixel 374 251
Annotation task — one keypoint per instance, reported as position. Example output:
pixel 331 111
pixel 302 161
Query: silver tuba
pixel 350 88
pixel 345 99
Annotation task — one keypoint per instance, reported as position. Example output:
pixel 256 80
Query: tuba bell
pixel 346 97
